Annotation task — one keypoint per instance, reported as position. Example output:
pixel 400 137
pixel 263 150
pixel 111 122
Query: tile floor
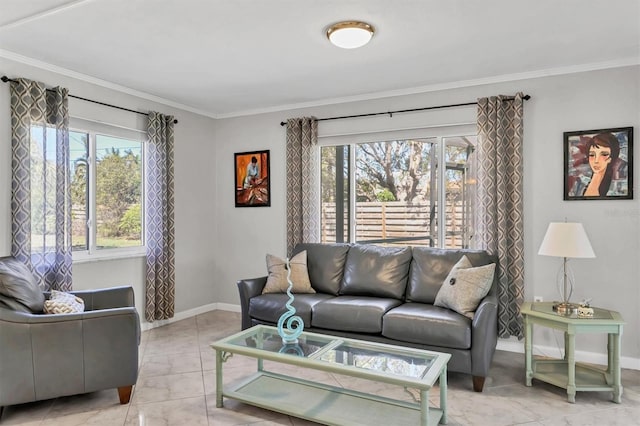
pixel 176 386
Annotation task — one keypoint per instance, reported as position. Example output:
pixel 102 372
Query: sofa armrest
pixel 484 335
pixel 107 298
pixel 249 288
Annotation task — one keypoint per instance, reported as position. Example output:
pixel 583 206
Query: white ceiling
pixel 232 57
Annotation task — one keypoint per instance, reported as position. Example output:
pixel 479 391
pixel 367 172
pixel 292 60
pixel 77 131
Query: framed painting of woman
pixel 251 176
pixel 598 164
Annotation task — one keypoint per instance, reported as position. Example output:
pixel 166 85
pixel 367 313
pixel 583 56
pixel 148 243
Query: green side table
pixel 567 373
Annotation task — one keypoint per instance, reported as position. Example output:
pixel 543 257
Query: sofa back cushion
pixel 376 271
pixel 325 264
pixel 430 266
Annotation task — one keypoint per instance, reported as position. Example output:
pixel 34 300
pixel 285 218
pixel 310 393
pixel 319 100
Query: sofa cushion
pixel 269 307
pixel 464 288
pixel 18 288
pixel 427 324
pixel 278 282
pixel 325 263
pixel 430 266
pixel 350 313
pixel 376 271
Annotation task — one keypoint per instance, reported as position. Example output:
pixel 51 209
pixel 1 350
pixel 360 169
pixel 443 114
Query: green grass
pixel 105 242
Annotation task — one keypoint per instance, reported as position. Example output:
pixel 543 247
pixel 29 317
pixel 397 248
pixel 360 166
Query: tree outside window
pixel 106 191
pixel 397 195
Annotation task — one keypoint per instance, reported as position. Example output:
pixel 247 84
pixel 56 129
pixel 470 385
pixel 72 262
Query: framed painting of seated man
pixel 251 175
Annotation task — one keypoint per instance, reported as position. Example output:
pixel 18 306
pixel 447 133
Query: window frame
pixel 93 129
pixel 437 134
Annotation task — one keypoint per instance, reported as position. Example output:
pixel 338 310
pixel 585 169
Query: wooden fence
pixel 397 222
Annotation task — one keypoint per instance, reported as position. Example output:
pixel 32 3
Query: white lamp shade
pixel 566 240
pixel 350 35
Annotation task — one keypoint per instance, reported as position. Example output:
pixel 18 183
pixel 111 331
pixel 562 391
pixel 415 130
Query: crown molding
pixel 43 13
pixel 624 62
pixel 99 82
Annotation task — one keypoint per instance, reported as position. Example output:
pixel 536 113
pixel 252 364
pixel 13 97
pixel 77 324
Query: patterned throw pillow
pixel 63 303
pixel 465 287
pixel 277 279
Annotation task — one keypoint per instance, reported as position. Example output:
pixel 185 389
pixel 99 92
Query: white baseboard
pixel 179 316
pixel 229 307
pixel 509 345
pixel 191 313
pixel 512 345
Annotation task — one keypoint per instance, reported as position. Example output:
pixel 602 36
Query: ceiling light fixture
pixel 350 34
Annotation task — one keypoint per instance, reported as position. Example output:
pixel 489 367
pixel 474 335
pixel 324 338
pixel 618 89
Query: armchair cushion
pixel 18 288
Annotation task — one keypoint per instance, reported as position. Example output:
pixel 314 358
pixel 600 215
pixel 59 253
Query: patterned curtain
pixel 303 214
pixel 159 222
pixel 40 184
pixel 499 221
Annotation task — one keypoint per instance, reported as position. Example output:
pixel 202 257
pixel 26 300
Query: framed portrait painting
pixel 598 164
pixel 251 176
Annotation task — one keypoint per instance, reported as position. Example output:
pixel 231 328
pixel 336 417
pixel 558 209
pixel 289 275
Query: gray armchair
pixel 46 356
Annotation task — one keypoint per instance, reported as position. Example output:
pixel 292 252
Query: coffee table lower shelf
pixel 327 404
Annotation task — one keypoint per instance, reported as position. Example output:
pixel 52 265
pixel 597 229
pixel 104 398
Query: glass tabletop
pixel 340 352
pixel 373 359
pixel 268 339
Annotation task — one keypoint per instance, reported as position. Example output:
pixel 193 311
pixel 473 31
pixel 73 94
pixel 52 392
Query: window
pixel 43 186
pixel 398 192
pixel 106 193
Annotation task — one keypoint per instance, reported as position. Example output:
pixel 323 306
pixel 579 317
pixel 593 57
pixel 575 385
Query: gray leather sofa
pixel 45 356
pixel 386 294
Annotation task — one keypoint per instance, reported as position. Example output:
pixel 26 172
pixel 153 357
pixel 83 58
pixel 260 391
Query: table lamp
pixel 566 240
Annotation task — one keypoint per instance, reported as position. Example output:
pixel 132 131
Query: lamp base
pixel 565 308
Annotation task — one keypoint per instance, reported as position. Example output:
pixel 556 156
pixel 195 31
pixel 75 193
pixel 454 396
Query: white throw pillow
pixel 465 287
pixel 63 303
pixel 277 279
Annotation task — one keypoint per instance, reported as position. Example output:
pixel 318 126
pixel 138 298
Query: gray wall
pixel 195 189
pixel 589 100
pixel 217 244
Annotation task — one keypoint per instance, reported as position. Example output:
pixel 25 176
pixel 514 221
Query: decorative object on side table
pixel 566 240
pixel 290 325
pixel 585 310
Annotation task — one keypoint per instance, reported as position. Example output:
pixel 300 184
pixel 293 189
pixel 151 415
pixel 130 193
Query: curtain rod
pixel 6 79
pixel 390 113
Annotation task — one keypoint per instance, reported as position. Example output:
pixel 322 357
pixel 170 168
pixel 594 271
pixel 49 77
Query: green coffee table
pixel 567 373
pixel 333 405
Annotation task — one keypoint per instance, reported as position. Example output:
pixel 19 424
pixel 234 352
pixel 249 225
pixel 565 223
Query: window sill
pixel 110 254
